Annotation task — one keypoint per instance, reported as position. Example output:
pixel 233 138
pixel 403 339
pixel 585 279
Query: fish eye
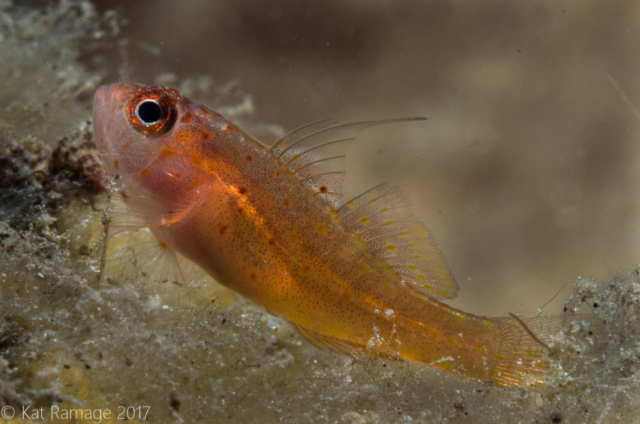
pixel 149 112
pixel 152 111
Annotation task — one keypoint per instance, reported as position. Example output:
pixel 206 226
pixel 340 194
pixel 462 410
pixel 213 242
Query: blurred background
pixel 526 170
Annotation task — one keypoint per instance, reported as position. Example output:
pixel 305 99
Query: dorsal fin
pixel 315 154
pixel 383 219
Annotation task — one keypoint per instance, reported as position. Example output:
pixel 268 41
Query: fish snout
pixel 100 98
pixel 105 114
pixel 100 108
pixel 105 97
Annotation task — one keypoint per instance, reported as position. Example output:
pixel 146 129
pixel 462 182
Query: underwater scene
pixel 328 212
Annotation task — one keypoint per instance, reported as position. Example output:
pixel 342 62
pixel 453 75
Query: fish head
pixel 152 138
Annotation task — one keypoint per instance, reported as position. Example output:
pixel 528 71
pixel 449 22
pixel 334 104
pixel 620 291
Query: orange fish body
pixel 362 278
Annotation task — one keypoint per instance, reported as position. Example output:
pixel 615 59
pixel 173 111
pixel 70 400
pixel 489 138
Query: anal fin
pixel 324 341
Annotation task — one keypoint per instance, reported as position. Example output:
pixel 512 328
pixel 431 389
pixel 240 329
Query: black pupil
pixel 149 112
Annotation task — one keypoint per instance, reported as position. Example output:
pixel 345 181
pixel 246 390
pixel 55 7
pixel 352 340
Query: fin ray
pixel 320 167
pixel 315 154
pixel 383 219
pixel 299 133
pixel 332 148
pixel 324 341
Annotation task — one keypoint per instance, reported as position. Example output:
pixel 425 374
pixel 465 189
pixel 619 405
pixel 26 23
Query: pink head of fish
pixel 150 137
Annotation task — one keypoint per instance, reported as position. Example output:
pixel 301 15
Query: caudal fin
pixel 532 347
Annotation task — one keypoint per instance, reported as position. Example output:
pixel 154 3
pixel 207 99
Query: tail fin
pixel 532 347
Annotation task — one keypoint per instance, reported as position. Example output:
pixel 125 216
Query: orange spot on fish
pixel 229 129
pixel 167 152
pixel 436 335
pixel 196 160
pixel 249 158
pixel 124 196
pixel 306 268
pixel 210 167
pixel 163 245
pixel 286 201
pixel 323 189
pixel 116 165
pixel 183 136
pixel 205 135
pixel 222 229
pixel 187 117
pixel 126 145
pixel 144 173
pixel 238 191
